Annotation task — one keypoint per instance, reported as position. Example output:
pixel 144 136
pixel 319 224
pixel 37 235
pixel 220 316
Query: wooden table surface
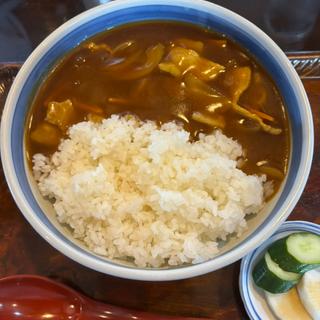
pixel 215 295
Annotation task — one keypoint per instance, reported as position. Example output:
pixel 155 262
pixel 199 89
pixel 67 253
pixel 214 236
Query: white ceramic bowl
pixel 39 213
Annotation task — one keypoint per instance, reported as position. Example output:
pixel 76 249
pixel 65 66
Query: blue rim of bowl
pixel 203 11
pixel 248 260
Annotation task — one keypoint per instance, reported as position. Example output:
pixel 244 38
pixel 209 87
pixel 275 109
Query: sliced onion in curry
pixel 272 172
pixel 188 60
pixel 118 64
pixel 237 80
pixel 189 44
pixel 154 55
pixel 217 121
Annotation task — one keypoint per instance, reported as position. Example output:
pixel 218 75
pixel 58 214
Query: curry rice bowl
pixel 133 190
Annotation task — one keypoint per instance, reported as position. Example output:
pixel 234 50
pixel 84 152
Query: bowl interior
pixel 114 14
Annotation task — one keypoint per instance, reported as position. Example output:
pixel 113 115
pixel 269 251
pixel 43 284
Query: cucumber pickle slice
pixel 269 276
pixel 299 252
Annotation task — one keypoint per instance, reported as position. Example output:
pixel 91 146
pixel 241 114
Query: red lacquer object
pixel 33 297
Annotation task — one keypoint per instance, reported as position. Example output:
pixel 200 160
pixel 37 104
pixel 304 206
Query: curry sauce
pixel 166 71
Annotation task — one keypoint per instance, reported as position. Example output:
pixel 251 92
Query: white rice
pixel 129 189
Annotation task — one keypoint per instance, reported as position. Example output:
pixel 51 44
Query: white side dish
pixel 301 302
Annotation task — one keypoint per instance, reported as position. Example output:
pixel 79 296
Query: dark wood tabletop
pixel 215 295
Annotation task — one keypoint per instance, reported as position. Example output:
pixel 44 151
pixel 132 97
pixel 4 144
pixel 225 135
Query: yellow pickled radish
pixel 287 306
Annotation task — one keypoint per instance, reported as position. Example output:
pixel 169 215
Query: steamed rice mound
pixel 133 190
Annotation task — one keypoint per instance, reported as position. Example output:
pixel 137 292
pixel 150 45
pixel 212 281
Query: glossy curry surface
pixel 166 71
